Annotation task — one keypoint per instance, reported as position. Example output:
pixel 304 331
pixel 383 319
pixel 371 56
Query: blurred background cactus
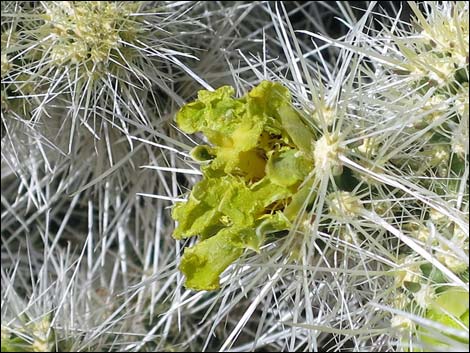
pixel 376 254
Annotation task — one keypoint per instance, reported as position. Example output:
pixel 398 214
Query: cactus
pixel 217 176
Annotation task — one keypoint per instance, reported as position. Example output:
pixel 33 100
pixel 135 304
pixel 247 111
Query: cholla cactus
pixel 80 118
pixel 328 192
pixel 426 70
pixel 383 163
pixel 87 73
